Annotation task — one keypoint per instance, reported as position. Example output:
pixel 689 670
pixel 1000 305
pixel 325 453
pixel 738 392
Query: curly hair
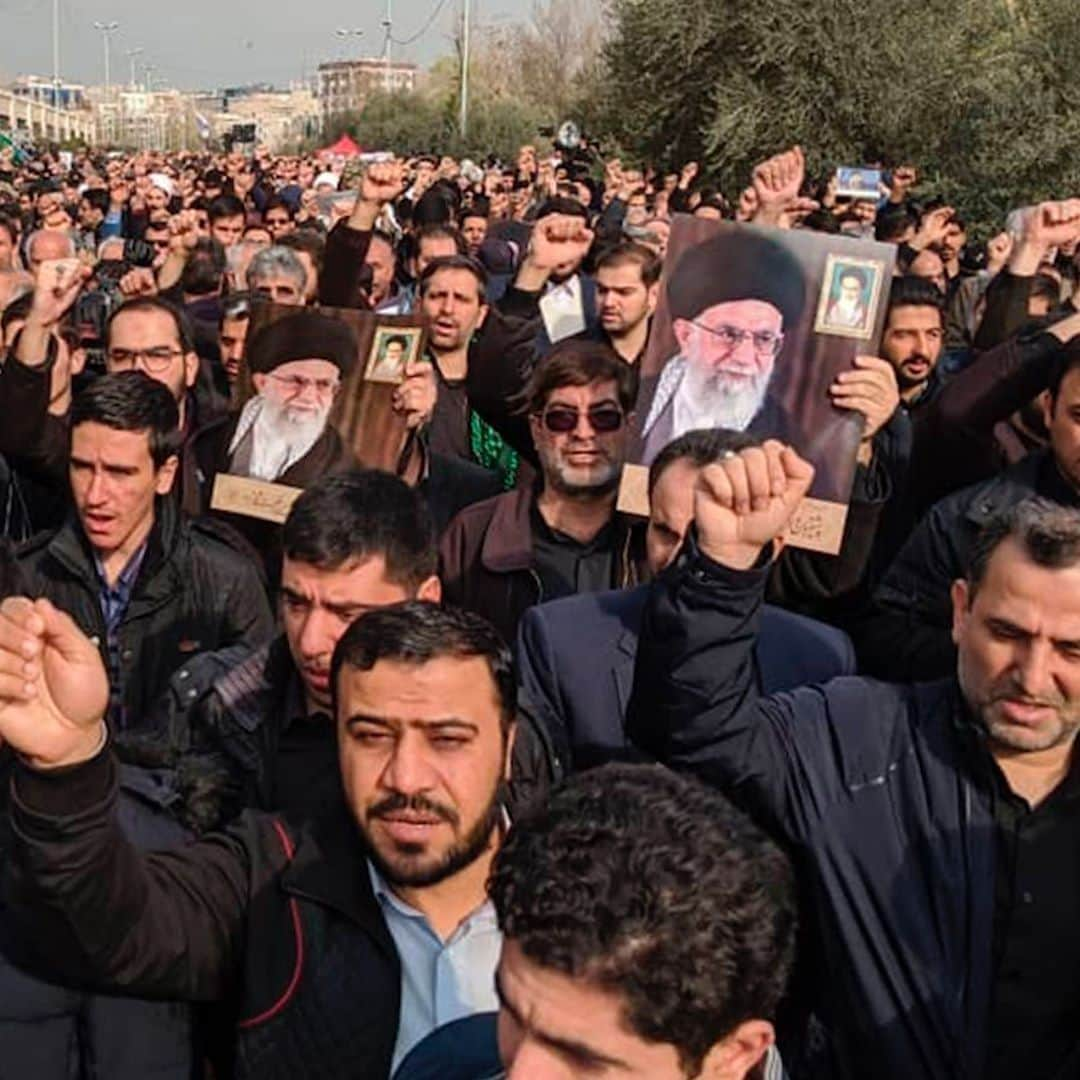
pixel 651 886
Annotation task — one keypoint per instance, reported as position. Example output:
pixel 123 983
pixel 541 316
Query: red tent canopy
pixel 346 146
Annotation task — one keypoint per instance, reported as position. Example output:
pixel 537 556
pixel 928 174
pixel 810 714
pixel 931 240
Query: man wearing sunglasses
pixel 501 556
pixel 730 330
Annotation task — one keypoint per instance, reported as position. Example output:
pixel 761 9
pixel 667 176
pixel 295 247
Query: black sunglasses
pixel 603 419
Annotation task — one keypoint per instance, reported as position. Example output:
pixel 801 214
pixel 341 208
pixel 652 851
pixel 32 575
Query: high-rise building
pixel 345 84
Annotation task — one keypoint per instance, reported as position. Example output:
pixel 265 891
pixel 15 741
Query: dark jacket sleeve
pixel 538 689
pixel 501 359
pixel 164 925
pixel 906 636
pixel 249 619
pixel 30 436
pixel 695 705
pixel 343 266
pixel 1000 381
pixel 1006 309
pixel 679 201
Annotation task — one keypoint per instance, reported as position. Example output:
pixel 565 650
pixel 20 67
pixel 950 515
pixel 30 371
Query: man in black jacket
pixel 935 825
pixel 342 941
pixel 148 588
pixel 906 634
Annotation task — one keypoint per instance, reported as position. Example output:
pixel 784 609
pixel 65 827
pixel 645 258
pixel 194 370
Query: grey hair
pixel 1048 532
pixel 276 261
pixel 107 243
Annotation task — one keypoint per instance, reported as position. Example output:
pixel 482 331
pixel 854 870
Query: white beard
pixel 712 401
pixel 280 436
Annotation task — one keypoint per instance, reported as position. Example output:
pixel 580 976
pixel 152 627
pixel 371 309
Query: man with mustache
pixel 500 556
pixel 935 824
pixel 339 940
pixel 730 329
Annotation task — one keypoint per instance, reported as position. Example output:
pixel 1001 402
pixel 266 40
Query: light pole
pixel 463 119
pixel 343 35
pixel 131 55
pixel 56 53
pixel 388 26
pixel 107 29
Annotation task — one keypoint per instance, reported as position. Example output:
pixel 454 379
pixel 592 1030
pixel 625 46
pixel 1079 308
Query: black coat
pixel 884 798
pixel 907 634
pixel 193 594
pixel 277 920
pixel 576 666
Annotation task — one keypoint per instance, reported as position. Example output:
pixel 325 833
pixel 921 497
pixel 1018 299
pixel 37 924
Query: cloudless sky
pixel 209 44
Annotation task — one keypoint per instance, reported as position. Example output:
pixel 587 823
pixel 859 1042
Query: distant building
pixel 41 89
pixel 345 84
pixel 282 118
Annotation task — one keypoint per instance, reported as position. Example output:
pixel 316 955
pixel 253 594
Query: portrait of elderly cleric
pixel 281 434
pixel 391 351
pixel 849 297
pixel 732 330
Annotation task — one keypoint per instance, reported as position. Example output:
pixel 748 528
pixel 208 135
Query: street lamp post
pixel 131 55
pixel 107 29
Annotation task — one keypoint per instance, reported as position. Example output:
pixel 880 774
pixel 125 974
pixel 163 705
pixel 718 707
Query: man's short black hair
pixel 700 447
pixel 360 515
pixel 1048 532
pixel 415 632
pixel 912 291
pixel 184 333
pixel 204 270
pixel 455 262
pixel 132 401
pixel 893 221
pixel 631 252
pixel 579 362
pixel 225 206
pixel 441 232
pixel 651 886
pixel 560 204
pixel 97 198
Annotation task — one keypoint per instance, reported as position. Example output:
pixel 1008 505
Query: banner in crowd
pixel 314 395
pixel 753 326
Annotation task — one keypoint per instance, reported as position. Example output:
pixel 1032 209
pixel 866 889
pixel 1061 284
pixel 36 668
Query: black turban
pixel 737 265
pixel 307 335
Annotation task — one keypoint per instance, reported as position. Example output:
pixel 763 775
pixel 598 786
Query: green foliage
pixel 980 94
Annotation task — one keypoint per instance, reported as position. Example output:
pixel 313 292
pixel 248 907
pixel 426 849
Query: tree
pixel 979 93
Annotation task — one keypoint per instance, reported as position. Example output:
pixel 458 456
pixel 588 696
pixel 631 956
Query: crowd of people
pixel 461 771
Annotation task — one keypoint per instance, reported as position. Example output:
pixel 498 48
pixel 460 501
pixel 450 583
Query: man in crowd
pixel 501 556
pixel 375 909
pixel 606 901
pixel 958 792
pixel 277 274
pixel 149 589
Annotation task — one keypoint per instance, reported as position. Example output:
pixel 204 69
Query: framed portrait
pixel 392 350
pixel 850 293
pixel 856 182
pixel 752 328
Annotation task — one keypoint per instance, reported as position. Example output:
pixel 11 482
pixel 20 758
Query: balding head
pixel 46 244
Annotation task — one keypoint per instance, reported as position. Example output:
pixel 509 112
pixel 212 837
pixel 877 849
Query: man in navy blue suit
pixel 576 655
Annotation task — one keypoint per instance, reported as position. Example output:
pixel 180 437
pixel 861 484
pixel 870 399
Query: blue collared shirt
pixel 114 601
pixel 441 980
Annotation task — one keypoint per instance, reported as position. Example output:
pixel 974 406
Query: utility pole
pixel 56 53
pixel 463 119
pixel 131 55
pixel 388 25
pixel 107 29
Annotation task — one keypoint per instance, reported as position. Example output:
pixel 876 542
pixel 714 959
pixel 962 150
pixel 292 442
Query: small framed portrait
pixel 392 349
pixel 850 293
pixel 856 182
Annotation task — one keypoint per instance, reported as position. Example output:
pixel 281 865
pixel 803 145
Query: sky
pixel 210 44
